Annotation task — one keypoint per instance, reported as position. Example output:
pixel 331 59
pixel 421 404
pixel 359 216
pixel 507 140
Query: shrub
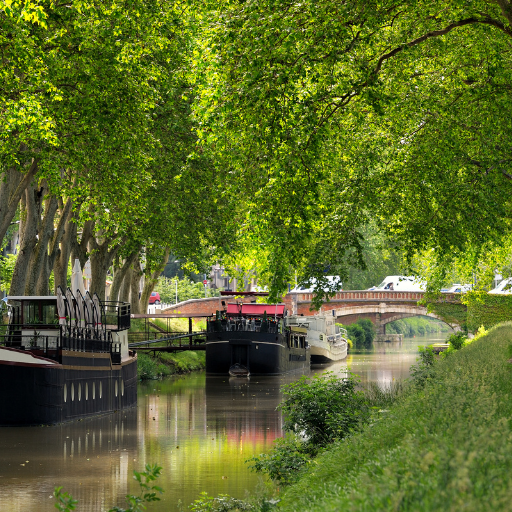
pixel 356 334
pixel 424 370
pixel 283 462
pixel 369 331
pixel 457 340
pixel 323 408
pixel 147 367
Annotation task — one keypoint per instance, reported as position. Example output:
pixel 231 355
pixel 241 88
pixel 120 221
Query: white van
pixel 332 280
pixel 504 288
pixel 401 284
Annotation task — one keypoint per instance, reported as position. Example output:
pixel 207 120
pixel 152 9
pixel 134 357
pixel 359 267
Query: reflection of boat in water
pixel 327 341
pixel 255 336
pixel 238 370
pixel 63 358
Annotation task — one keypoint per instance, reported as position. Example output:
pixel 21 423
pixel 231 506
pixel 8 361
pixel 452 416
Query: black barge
pixel 64 358
pixel 256 337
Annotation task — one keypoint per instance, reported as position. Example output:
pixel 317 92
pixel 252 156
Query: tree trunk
pixel 120 274
pixel 151 280
pixel 135 276
pixel 31 205
pixel 13 184
pixel 62 247
pixel 45 230
pixel 124 290
pixel 101 259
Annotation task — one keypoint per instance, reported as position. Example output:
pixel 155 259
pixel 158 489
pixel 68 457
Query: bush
pixel 283 462
pixel 323 408
pixel 457 340
pixel 369 331
pixel 424 370
pixel 357 335
pixel 147 367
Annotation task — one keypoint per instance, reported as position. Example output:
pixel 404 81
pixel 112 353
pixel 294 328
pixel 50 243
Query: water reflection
pixel 200 429
pixel 78 456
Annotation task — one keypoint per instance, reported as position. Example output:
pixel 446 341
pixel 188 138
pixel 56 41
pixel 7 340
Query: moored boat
pixel 254 336
pixel 327 341
pixel 63 358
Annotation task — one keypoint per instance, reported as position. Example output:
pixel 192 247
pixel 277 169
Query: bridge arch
pixel 381 314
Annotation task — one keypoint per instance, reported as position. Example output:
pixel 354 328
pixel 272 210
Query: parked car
pixel 401 284
pixel 154 298
pixel 332 279
pixel 504 288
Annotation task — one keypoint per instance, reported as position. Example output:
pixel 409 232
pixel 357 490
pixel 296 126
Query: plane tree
pixel 330 115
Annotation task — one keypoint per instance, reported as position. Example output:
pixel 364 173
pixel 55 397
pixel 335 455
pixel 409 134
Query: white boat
pixel 326 340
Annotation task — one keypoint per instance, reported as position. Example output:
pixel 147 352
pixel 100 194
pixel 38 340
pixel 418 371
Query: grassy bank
pixel 165 364
pixel 447 446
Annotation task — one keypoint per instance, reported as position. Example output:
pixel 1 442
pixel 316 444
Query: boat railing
pixel 83 344
pixel 36 341
pixel 243 324
pixel 116 315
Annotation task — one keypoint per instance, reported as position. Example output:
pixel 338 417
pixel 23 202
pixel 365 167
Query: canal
pixel 199 429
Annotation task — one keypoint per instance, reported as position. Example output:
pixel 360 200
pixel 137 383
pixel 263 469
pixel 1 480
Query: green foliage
pixel 457 340
pixel 486 309
pixel 148 493
pixel 187 289
pixel 6 270
pixel 147 367
pixel 283 463
pixel 323 408
pixel 220 503
pixel 425 368
pixel 64 502
pixel 442 447
pixel 416 326
pixel 369 331
pixel 361 333
pixel 452 313
pixel 168 363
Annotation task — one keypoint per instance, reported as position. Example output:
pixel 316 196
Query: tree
pixel 329 115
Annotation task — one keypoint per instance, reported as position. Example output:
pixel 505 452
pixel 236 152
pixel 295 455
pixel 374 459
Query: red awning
pixel 256 309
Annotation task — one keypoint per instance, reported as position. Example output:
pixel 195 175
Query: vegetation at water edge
pixel 169 363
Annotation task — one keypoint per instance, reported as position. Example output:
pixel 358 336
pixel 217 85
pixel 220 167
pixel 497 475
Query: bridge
pixel 381 307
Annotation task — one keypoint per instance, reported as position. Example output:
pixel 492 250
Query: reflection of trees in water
pixel 89 458
pixel 245 409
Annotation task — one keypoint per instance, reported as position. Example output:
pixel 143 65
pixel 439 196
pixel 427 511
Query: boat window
pixel 30 312
pixel 49 312
pixel 72 392
pixel 122 387
pixel 86 391
pixel 94 391
pixel 65 393
pixel 116 388
pixel 79 391
pixel 101 389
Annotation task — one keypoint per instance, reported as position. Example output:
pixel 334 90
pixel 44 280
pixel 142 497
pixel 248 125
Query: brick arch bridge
pixel 381 307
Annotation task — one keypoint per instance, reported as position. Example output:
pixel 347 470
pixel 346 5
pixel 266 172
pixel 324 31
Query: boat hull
pixel 39 391
pixel 261 353
pixel 327 353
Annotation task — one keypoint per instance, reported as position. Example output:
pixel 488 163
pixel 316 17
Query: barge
pixel 327 341
pixel 63 358
pixel 256 337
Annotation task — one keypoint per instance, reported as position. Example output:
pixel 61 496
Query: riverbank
pixel 444 447
pixel 167 363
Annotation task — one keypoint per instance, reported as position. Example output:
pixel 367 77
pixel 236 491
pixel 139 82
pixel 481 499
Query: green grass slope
pixel 446 447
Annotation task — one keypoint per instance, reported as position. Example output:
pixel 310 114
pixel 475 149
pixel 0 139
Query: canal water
pixel 200 429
